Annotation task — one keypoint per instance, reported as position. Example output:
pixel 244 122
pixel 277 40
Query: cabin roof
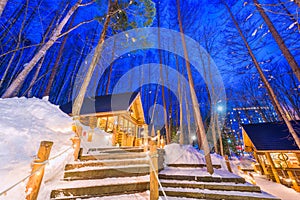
pixel 272 136
pixel 106 103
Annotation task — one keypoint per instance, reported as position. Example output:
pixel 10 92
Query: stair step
pixel 216 194
pixel 193 165
pixel 100 191
pixel 211 186
pixel 106 156
pixel 106 172
pixel 115 150
pixel 202 178
pixel 106 163
pixel 199 175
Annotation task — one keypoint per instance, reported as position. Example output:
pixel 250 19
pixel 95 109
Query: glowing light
pixel 194 137
pixel 220 108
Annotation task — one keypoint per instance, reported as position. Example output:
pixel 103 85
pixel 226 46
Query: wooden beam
pixel 273 167
pixel 294 180
pixel 263 166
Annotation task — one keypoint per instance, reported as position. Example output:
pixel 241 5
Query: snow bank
pixel 24 123
pixel 101 139
pixel 187 154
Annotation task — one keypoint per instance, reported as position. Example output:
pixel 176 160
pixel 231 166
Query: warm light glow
pixel 194 137
pixel 38 173
pixel 220 108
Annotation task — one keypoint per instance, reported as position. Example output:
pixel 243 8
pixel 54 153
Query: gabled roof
pixel 272 136
pixel 107 103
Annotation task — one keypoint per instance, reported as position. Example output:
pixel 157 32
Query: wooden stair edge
pixel 213 195
pixel 203 178
pixel 100 191
pixel 240 188
pixel 184 165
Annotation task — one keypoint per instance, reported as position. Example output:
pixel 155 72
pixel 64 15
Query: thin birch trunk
pixel 98 52
pixel 13 89
pixel 201 132
pixel 270 91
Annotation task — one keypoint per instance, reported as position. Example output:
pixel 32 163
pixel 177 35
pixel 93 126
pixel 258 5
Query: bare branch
pixel 73 28
pixel 86 4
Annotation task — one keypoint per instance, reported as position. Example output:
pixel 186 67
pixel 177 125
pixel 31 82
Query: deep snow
pixel 26 122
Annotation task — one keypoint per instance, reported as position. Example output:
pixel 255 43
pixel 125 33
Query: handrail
pixel 4 192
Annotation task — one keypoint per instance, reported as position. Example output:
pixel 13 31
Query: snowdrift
pixel 24 123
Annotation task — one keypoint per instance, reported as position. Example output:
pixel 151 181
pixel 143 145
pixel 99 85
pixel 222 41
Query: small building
pixel 275 150
pixel 119 114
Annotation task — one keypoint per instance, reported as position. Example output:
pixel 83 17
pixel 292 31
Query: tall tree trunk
pixel 57 61
pixel 110 68
pixel 98 52
pixel 168 132
pixel 286 52
pixel 13 89
pixel 220 136
pixel 29 90
pixel 198 118
pixel 179 89
pixel 18 43
pixel 187 107
pixel 2 6
pixel 269 89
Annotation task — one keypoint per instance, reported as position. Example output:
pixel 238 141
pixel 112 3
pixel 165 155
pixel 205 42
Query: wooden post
pixel 114 136
pixel 90 135
pixel 228 163
pixel 294 181
pixel 154 194
pixel 76 146
pixel 38 169
pixel 258 161
pixel 145 140
pixel 158 138
pixel 264 166
pixel 273 167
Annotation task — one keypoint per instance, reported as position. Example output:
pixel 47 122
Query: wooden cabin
pixel 275 150
pixel 119 114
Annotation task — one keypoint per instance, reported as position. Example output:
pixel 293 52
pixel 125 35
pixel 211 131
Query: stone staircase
pixel 189 181
pixel 105 172
pixel 123 173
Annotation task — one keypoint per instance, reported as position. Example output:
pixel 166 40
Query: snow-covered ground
pixel 276 189
pixel 187 154
pixel 24 123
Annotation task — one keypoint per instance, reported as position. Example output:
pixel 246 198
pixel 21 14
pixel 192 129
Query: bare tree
pixel 201 133
pixel 13 89
pixel 2 6
pixel 269 89
pixel 286 52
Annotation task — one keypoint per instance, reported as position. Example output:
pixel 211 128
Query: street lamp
pixel 193 139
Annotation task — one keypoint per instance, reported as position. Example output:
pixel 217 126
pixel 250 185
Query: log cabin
pixel 275 150
pixel 122 115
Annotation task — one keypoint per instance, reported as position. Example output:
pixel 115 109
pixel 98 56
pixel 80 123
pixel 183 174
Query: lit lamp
pixel 193 139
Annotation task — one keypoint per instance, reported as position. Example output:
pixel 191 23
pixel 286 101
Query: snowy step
pixel 106 172
pixel 227 186
pixel 199 174
pixel 115 150
pixel 105 163
pixel 106 156
pixel 193 165
pixel 202 178
pixel 215 194
pixel 100 188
